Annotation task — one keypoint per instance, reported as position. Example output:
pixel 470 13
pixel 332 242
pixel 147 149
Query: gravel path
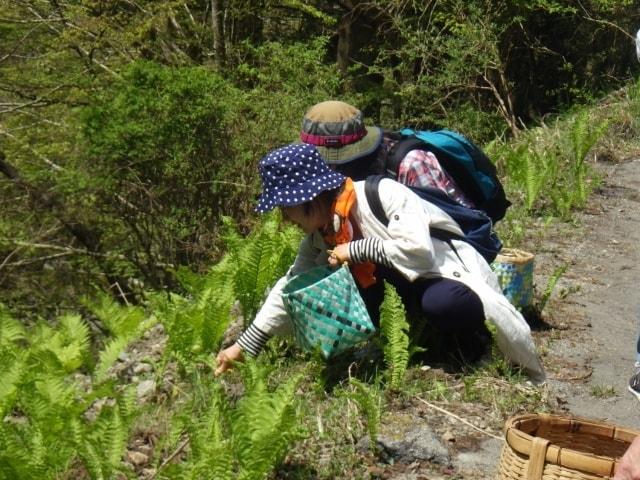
pixel 596 308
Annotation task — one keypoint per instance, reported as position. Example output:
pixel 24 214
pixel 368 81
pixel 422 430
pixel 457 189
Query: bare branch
pixel 588 16
pixel 53 165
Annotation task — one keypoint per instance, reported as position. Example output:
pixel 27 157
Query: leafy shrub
pixel 159 162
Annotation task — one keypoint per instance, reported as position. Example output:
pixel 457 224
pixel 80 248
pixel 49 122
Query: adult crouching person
pixel 448 283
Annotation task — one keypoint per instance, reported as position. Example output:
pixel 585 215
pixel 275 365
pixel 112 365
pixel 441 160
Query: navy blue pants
pixel 448 305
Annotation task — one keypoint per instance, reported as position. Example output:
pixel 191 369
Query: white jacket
pixel 409 248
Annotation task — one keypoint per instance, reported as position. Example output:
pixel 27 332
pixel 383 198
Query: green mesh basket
pixel 327 310
pixel 514 269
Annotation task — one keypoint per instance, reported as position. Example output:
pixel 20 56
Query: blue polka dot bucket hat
pixel 293 175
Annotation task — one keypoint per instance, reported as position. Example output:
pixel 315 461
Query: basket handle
pixel 537 458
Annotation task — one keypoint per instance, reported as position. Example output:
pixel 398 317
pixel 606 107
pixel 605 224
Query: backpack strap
pixel 373 199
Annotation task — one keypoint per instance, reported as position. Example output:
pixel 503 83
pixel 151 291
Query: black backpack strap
pixel 373 198
pixel 399 151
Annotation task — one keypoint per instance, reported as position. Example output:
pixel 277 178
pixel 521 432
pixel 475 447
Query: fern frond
pixel 232 239
pixel 221 276
pixel 211 449
pixel 108 356
pixel 121 321
pixel 216 316
pixel 263 258
pixel 109 433
pixel 10 378
pixel 264 423
pixel 369 402
pixel 394 331
pixel 70 343
pixel 55 391
pixel 11 331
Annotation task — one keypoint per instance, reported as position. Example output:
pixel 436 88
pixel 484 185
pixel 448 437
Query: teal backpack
pixel 466 163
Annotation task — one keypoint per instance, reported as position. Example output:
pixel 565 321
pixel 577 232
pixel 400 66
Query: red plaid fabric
pixel 422 169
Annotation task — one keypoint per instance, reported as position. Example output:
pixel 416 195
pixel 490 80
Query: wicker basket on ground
pixel 552 447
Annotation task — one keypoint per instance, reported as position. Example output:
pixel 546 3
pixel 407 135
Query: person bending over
pixel 449 283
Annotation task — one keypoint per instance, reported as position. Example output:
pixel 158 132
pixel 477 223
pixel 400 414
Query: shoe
pixel 634 382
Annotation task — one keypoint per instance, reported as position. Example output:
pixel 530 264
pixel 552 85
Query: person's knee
pixel 451 305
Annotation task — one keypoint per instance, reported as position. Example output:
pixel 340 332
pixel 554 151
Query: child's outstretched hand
pixel 225 359
pixel 339 255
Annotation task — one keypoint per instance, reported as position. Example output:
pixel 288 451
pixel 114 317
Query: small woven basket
pixel 514 269
pixel 550 447
pixel 327 310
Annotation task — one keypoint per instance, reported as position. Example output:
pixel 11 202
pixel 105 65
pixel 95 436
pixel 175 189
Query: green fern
pixel 45 432
pixel 211 451
pixel 125 323
pixel 551 285
pixel 242 441
pixel 11 331
pixel 394 331
pixel 583 135
pixel 369 402
pixel 13 357
pixel 261 259
pixel 69 342
pixel 264 423
pixel 120 320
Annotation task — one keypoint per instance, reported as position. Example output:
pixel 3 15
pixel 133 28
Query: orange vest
pixel 343 232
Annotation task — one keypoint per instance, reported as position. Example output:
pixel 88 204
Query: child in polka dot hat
pixel 447 283
pixel 293 175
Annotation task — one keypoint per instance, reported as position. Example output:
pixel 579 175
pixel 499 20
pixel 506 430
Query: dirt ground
pixel 596 306
pixel 588 331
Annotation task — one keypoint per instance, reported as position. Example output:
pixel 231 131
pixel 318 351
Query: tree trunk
pixel 218 34
pixel 344 44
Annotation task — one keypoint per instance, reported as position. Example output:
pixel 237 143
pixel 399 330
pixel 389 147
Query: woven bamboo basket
pixel 552 447
pixel 514 269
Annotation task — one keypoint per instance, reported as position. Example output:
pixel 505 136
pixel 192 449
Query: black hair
pixel 362 167
pixel 326 198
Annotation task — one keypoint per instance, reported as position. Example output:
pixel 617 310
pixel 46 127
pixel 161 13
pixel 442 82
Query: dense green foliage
pixel 55 378
pixel 130 128
pixel 130 133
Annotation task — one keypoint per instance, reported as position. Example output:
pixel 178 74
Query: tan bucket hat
pixel 338 132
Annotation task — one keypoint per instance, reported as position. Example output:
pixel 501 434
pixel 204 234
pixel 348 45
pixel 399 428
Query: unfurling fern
pixel 394 331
